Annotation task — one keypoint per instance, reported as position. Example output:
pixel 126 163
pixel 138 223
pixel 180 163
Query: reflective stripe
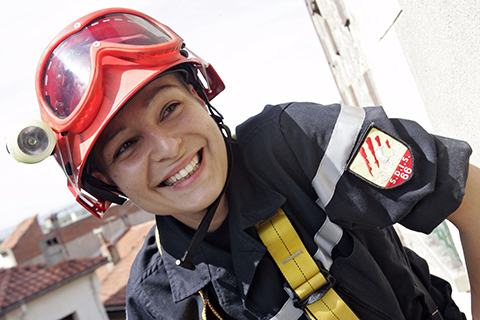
pixel 329 171
pixel 288 312
pixel 341 143
pixel 326 238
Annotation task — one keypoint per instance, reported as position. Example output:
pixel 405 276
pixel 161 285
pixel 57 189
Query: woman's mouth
pixel 184 173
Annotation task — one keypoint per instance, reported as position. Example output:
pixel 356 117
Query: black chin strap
pixel 187 259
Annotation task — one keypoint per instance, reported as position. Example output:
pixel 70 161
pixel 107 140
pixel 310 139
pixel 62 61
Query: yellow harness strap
pixel 312 291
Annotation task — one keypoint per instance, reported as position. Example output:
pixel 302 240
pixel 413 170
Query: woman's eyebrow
pixel 113 134
pixel 146 104
pixel 148 101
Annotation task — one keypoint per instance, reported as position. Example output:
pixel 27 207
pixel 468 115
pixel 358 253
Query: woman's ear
pixel 100 176
pixel 108 191
pixel 197 96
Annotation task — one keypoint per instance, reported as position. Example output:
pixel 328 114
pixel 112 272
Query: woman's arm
pixel 467 219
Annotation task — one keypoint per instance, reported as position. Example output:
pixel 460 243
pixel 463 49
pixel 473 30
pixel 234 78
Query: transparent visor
pixel 67 72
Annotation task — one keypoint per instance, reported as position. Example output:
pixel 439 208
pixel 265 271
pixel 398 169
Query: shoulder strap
pixel 309 289
pixel 432 307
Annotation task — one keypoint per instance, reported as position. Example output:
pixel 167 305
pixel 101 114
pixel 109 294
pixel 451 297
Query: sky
pixel 266 52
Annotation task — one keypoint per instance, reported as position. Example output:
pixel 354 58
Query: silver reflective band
pixel 326 238
pixel 330 169
pixel 340 146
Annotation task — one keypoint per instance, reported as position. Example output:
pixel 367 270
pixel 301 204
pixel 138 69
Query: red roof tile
pixel 24 283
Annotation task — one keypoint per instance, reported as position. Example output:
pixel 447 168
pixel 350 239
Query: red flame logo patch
pixel 382 160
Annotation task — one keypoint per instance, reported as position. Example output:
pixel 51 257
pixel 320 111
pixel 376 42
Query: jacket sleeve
pixel 318 144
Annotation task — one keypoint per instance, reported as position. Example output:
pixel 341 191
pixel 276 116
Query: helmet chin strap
pixel 187 259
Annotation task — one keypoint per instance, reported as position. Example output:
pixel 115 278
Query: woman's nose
pixel 163 144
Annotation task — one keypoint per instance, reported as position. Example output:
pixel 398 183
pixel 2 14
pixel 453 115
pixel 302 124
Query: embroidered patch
pixel 382 160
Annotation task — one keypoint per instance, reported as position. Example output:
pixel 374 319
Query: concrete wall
pixel 440 42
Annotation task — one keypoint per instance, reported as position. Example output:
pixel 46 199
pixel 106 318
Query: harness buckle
pixel 312 297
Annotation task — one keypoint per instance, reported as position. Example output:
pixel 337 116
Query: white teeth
pixel 184 173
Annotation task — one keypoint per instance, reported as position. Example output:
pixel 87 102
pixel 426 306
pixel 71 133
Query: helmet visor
pixel 67 73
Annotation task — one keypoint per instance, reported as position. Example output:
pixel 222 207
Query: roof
pixel 114 283
pixel 24 283
pixel 30 228
pixel 12 240
pixel 85 225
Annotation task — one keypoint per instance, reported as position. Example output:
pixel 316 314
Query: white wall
pixel 440 42
pixel 7 259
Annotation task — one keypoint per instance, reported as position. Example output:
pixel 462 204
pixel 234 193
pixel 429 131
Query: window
pixel 52 241
pixel 69 317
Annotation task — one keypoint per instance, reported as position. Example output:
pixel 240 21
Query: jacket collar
pixel 247 209
pixel 249 203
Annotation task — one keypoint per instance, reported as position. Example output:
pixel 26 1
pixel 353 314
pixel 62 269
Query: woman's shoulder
pixel 287 118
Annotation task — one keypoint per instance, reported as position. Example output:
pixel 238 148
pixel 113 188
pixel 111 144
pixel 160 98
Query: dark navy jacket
pixel 298 156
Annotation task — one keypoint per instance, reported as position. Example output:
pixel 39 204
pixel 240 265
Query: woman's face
pixel 165 152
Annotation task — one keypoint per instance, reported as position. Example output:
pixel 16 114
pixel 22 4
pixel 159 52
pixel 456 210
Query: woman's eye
pixel 124 148
pixel 170 108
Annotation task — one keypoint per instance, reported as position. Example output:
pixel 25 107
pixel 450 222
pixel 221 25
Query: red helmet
pixel 90 70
